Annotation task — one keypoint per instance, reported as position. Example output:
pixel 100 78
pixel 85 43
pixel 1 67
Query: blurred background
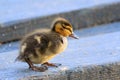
pixel 12 10
pixel 88 17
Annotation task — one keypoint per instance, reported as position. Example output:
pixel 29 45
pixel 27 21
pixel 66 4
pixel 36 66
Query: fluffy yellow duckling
pixel 40 46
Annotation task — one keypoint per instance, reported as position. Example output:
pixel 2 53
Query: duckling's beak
pixel 74 36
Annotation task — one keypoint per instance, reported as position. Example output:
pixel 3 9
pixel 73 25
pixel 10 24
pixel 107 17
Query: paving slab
pixel 95 57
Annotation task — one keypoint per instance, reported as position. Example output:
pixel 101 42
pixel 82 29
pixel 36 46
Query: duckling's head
pixel 63 27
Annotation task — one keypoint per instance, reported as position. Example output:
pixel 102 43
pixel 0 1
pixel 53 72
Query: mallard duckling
pixel 40 46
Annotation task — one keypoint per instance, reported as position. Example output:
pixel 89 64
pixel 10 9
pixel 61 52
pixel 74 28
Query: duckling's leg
pixel 51 64
pixel 35 68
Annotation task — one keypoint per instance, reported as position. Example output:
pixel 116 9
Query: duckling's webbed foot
pixel 52 64
pixel 35 68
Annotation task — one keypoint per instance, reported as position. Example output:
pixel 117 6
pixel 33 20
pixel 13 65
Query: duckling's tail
pixel 19 58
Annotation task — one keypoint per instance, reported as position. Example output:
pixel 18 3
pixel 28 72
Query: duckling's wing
pixel 32 43
pixel 42 43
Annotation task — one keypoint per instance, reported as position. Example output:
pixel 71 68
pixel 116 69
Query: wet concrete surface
pixel 96 46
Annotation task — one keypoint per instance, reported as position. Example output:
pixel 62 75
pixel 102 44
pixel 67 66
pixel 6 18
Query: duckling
pixel 42 45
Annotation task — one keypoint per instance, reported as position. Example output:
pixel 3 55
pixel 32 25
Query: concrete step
pixel 95 57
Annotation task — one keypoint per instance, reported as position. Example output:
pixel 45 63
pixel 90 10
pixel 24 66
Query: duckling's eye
pixel 63 25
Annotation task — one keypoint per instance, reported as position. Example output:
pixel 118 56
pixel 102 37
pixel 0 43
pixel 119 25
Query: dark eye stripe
pixel 67 28
pixel 70 30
